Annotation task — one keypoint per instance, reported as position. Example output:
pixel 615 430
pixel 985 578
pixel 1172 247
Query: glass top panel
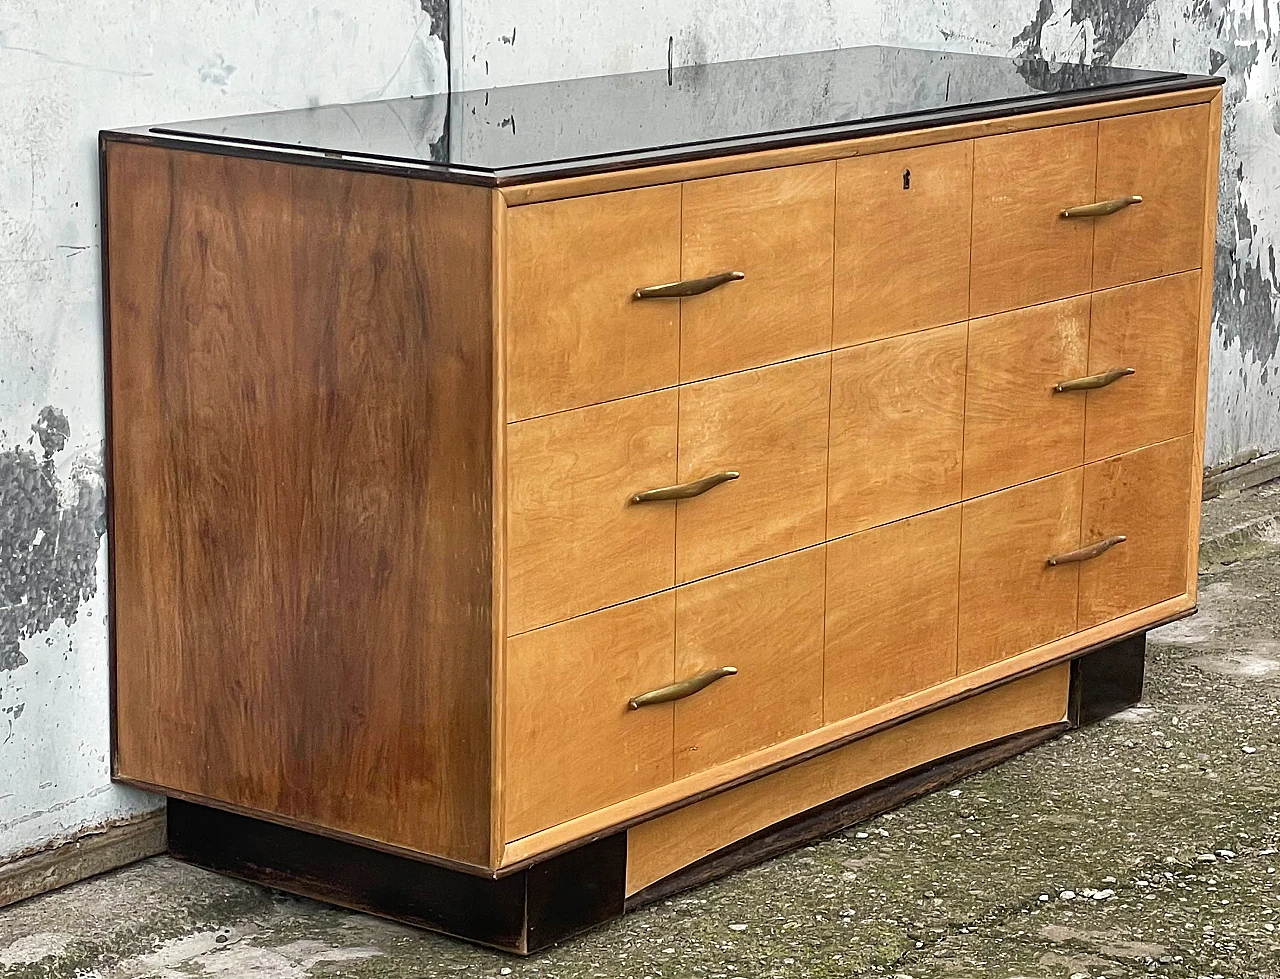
pixel 659 113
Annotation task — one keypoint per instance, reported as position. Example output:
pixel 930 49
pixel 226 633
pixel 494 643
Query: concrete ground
pixel 1142 846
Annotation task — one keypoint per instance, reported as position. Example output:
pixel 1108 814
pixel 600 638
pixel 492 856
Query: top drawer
pixel 1060 211
pixel 746 259
pixel 574 334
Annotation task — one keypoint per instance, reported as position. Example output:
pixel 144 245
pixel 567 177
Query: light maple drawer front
pixel 573 744
pixel 575 333
pixel 1145 497
pixel 1024 251
pixel 769 426
pixel 1161 157
pixel 1152 329
pixel 902 241
pixel 1016 426
pixel 766 622
pixel 775 228
pixel 575 540
pixel 891 612
pixel 1011 598
pixel 897 424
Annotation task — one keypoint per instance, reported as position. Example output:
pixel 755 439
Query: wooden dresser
pixel 528 503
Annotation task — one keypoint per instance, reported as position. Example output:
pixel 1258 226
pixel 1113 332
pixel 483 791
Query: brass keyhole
pixel 906 179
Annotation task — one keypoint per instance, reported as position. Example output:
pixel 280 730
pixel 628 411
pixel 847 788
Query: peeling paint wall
pixel 68 69
pixel 501 42
pixel 1237 39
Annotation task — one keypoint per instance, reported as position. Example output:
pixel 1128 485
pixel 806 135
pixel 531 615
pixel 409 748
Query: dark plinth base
pixel 523 912
pixel 537 906
pixel 1107 681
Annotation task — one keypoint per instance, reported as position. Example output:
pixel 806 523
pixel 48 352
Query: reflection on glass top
pixel 653 115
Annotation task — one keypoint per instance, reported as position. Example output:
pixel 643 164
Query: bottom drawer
pixel 1011 598
pixel 572 744
pixel 1144 496
pixel 575 744
pixel 766 621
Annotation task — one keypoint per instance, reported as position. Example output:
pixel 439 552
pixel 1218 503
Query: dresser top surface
pixel 588 125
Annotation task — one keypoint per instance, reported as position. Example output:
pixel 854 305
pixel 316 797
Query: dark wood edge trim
pixel 615 162
pixel 317 830
pixel 107 453
pixel 847 810
pixel 838 743
pixel 298 157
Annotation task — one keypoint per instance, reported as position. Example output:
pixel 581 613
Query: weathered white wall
pixel 67 69
pixel 503 42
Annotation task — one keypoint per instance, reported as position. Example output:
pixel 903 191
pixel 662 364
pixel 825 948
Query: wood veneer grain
pixel 574 333
pixel 1016 428
pixel 301 371
pixel 891 604
pixel 1161 157
pixel 902 241
pixel 897 428
pixel 1152 327
pixel 1143 495
pixel 775 226
pixel 1024 251
pixel 766 620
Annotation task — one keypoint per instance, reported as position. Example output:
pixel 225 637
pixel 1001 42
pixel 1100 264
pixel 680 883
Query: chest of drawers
pixel 509 532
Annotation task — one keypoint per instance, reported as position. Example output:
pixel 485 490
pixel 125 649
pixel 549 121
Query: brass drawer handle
pixel 688 287
pixel 1087 553
pixel 1102 208
pixel 685 491
pixel 1094 381
pixel 682 688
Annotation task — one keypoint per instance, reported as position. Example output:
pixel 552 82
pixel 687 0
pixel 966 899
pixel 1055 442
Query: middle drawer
pixel 626 498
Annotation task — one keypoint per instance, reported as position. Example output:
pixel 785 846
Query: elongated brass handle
pixel 1087 553
pixel 688 287
pixel 1094 381
pixel 685 491
pixel 1102 208
pixel 681 688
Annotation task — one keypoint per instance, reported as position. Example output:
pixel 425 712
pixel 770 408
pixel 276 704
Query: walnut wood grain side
pixel 301 385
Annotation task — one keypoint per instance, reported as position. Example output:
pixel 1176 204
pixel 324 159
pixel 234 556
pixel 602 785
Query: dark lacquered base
pixel 1108 680
pixel 537 906
pixel 522 912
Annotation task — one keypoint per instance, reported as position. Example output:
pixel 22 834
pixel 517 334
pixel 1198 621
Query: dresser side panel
pixel 301 391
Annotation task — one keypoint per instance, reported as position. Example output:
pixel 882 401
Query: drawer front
pixel 1153 328
pixel 1016 426
pixel 891 612
pixel 1146 497
pixel 897 426
pixel 1024 251
pixel 902 241
pixel 765 620
pixel 1161 157
pixel 575 334
pixel 775 226
pixel 1011 599
pixel 769 425
pixel 572 743
pixel 575 542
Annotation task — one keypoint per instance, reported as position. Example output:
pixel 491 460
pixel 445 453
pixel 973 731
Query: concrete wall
pixel 67 69
pixel 502 42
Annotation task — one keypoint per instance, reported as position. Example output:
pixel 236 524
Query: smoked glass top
pixel 582 125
